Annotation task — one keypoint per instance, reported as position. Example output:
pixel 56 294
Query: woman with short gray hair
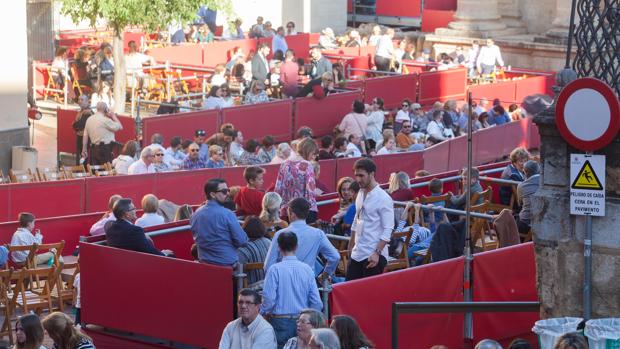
pixel 324 338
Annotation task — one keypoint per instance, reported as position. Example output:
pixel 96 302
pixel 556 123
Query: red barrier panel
pixel 344 167
pixel 328 174
pixel 507 274
pixel 399 8
pixel 128 132
pixel 100 189
pixel 533 136
pixel 529 86
pixel 514 135
pixel 300 44
pixel 106 340
pixel 40 77
pixel 372 310
pixel 409 162
pixel 457 158
pixel 5 202
pixel 42 199
pixel 314 38
pixel 258 120
pixel 485 145
pixel 433 19
pixel 178 281
pixel 447 5
pixel 322 115
pixel 181 54
pixel 393 89
pixel 132 36
pixel 183 124
pixel 435 157
pixel 183 187
pixel 219 51
pixel 505 91
pixel 65 135
pixel 180 243
pixel 442 85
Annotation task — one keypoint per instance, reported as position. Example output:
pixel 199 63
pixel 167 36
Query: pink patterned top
pixel 296 179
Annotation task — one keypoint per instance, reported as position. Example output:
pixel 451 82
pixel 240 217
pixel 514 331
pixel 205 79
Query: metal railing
pixel 455 307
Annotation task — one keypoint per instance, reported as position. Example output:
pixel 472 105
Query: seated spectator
pixel 324 338
pixel 27 235
pixel 103 94
pixel 270 213
pixel 193 160
pixel 321 188
pixel 237 57
pixel 515 112
pixel 29 332
pixel 255 251
pixel 236 147
pixel 99 227
pixel 354 39
pixel 435 186
pixel 228 99
pixel 183 212
pixel 327 39
pixel 519 343
pixel 250 330
pixel 215 228
pixel 458 201
pixel 159 165
pixel 498 116
pixel 214 101
pixel 308 320
pixel 268 31
pixel 345 198
pixel 327 146
pixel 250 154
pixel 169 106
pixel 399 187
pixel 249 199
pixel 145 164
pixel 234 31
pixel 355 122
pixel 290 28
pixel 199 139
pixel 283 152
pixel 354 145
pixel 376 118
pixel 488 344
pixel 403 138
pixel 349 333
pixel 514 172
pixel 404 114
pixel 419 122
pixel 256 94
pixel 63 332
pixel 318 87
pixel 216 157
pixel 349 216
pixel 203 35
pixel 421 237
pixel 436 128
pixel 572 340
pixel 123 234
pixel 389 145
pixel 289 288
pixel 482 121
pixel 268 150
pixel 126 158
pixel 341 147
pixel 175 151
pixel 150 205
pixel 4 257
pixel 373 40
pixel 525 190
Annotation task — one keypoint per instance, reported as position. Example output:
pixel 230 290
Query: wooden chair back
pixel 51 84
pixel 63 292
pixel 344 261
pixel 42 299
pixel 30 249
pixel 486 195
pixel 57 247
pixel 46 174
pixel 248 267
pixel 402 262
pixel 100 170
pixel 425 200
pixel 75 171
pixel 480 229
pixel 22 176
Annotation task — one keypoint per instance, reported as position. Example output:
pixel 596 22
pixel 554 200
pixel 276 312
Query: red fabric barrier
pixel 177 281
pixel 393 89
pixel 41 199
pixel 449 5
pixel 179 242
pixel 409 162
pixel 529 86
pixel 258 120
pixel 514 135
pixel 183 187
pixel 324 114
pixel 314 38
pixel 106 340
pixel 399 8
pixel 328 174
pixel 442 85
pixel 327 211
pixel 372 310
pixel 40 77
pixel 300 44
pixel 218 51
pixel 129 129
pixel 505 91
pixel 458 153
pixel 100 189
pixel 181 54
pixel 533 136
pixel 435 157
pixel 507 274
pixel 183 124
pixel 485 145
pixel 65 135
pixel 362 62
pixel 436 18
pixel 5 201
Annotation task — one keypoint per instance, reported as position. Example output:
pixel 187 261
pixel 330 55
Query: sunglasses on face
pixel 194 150
pixel 406 126
pixel 159 154
pixel 200 133
pixel 405 105
pixel 224 191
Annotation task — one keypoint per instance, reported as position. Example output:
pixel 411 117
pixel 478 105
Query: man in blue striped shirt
pixel 289 288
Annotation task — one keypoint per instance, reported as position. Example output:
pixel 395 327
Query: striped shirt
pixel 289 288
pixel 82 344
pixel 254 252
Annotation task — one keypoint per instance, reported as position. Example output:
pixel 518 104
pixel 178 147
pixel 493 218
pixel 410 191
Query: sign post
pixel 588 118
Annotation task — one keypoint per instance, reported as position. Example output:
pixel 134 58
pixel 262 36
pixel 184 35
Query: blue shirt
pixel 496 119
pixel 310 243
pixel 289 288
pixel 214 164
pixel 279 43
pixel 217 234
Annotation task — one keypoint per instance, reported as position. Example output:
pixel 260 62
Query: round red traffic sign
pixel 588 114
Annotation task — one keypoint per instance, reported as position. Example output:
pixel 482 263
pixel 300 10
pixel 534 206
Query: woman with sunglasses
pixel 229 101
pixel 404 114
pixel 28 332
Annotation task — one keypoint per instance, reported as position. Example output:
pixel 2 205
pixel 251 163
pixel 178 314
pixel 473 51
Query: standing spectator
pixel 216 157
pixel 376 118
pixel 319 87
pixel 270 214
pixel 349 333
pixel 63 332
pixel 134 61
pixel 290 28
pixel 215 228
pixel 320 64
pixel 144 164
pixel 399 188
pixel 355 146
pixel 289 74
pixel 372 226
pixel 126 158
pixel 249 199
pixel 355 122
pixel 219 75
pixel 106 66
pixel 403 114
pixel 514 172
pixel 327 147
pixel 289 288
pixel 260 64
pixel 385 55
pixel 312 242
pixel 99 130
pixel 268 150
pixel 296 177
pixel 257 30
pixel 327 39
pixel 279 42
pixel 376 35
pixel 250 330
pixel 256 249
pixel 150 205
pixel 193 160
pixel 472 58
pixel 256 94
pixel 80 123
pixel 99 227
pixel 487 58
pixel 525 190
pixel 27 235
pixel 250 154
pixel 308 320
pixel 28 332
pixel 59 67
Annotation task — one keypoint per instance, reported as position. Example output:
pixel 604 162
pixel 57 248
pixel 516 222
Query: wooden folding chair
pixel 247 268
pixel 101 170
pixel 344 261
pixel 28 300
pixel 6 303
pixel 22 176
pixel 56 248
pixel 75 83
pixel 425 254
pixel 487 195
pixel 72 172
pixel 29 263
pixel 46 174
pixel 51 85
pixel 482 237
pixel 64 290
pixel 402 262
pixel 425 200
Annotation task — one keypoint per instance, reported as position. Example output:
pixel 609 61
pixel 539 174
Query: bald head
pixel 102 107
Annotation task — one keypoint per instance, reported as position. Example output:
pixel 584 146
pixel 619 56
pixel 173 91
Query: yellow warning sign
pixel 587 178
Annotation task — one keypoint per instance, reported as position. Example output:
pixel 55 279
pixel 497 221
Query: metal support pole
pixel 468 328
pixel 327 289
pixel 587 267
pixel 138 121
pixel 66 80
pixel 133 93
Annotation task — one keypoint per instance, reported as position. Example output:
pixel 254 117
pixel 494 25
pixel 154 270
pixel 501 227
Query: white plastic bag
pixel 603 333
pixel 549 330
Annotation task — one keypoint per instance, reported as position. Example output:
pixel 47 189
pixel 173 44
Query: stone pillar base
pixel 9 139
pixel 482 30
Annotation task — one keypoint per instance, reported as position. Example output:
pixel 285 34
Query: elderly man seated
pixel 145 164
pixel 193 160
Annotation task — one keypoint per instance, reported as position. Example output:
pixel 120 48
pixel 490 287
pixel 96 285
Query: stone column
pixel 561 22
pixel 476 18
pixel 511 14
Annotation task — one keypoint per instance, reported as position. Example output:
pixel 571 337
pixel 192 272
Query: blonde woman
pixel 62 331
pixel 270 214
pixel 399 188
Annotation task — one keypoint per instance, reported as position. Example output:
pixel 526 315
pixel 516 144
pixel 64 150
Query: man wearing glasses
pixel 145 164
pixel 215 228
pixel 193 161
pixel 123 234
pixel 250 330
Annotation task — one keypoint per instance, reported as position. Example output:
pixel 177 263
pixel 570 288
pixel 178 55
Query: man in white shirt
pixel 133 64
pixel 372 226
pixel 250 330
pixel 26 235
pixel 145 164
pixel 435 128
pixel 472 58
pixel 487 58
pixel 384 54
pixel 353 147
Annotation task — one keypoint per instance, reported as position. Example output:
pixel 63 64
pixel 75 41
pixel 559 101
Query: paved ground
pixel 45 140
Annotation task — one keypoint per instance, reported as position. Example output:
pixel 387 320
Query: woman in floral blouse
pixel 296 177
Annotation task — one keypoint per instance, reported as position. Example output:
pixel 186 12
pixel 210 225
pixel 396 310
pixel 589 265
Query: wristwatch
pixel 377 251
